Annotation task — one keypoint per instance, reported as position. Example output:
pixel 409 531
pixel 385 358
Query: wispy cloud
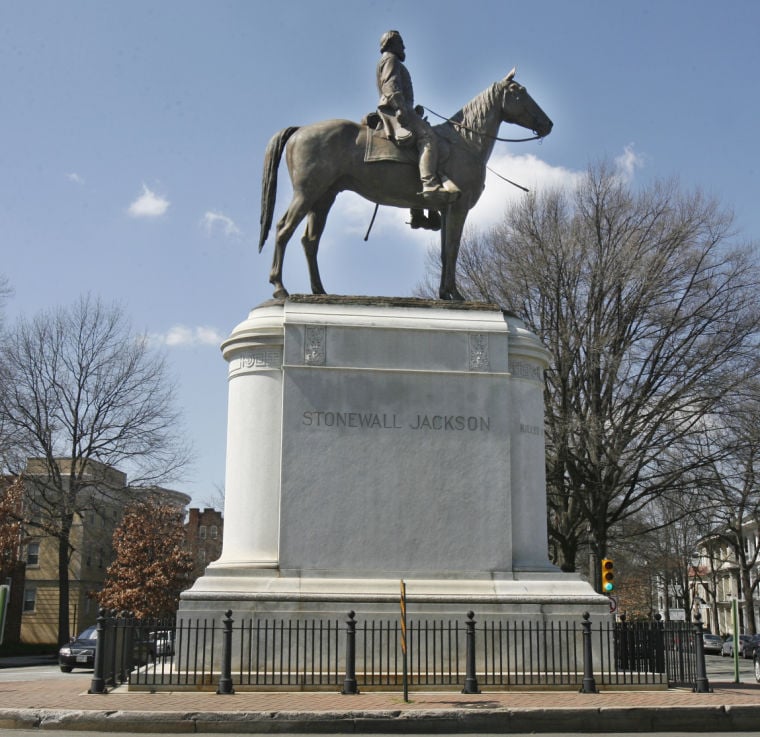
pixel 148 205
pixel 213 220
pixel 182 335
pixel 628 162
pixel 74 177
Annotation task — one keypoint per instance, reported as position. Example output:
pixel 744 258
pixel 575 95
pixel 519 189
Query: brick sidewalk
pixel 65 702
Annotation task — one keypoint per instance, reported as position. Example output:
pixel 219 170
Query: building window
pixel 202 555
pixel 214 532
pixel 202 532
pixel 30 600
pixel 33 554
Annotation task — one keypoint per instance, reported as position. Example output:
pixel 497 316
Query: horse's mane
pixel 474 113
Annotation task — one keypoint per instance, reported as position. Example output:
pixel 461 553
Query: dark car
pixel 746 646
pixel 754 645
pixel 712 643
pixel 80 652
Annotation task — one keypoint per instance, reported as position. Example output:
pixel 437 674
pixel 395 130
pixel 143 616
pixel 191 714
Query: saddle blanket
pixel 379 148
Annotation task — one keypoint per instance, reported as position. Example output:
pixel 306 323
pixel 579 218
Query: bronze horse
pixel 328 157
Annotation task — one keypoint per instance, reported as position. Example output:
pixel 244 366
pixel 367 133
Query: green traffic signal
pixel 608 575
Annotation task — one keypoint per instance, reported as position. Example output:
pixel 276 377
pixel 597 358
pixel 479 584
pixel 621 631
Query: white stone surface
pixel 372 440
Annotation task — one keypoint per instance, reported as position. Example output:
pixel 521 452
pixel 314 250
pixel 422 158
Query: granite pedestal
pixel 373 440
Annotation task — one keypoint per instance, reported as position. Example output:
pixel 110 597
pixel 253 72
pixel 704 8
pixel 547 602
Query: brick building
pixel 203 533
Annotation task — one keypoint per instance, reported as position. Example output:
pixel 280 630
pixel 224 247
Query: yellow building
pixel 90 552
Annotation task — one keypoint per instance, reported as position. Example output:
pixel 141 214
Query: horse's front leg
pixel 452 226
pixel 315 226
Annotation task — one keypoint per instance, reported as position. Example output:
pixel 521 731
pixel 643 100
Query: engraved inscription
pixel 524 370
pixel 257 359
pixel 393 421
pixel 532 429
pixel 478 352
pixel 314 352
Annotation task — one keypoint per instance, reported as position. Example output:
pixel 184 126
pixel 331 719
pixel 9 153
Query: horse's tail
pixel 272 157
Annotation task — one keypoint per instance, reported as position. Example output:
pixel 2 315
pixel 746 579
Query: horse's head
pixel 518 107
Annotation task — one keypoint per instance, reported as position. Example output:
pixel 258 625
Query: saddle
pixel 382 148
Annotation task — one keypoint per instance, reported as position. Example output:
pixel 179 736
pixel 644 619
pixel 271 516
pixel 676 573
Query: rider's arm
pixel 391 88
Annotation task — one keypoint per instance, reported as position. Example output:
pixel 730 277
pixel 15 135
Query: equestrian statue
pixel 394 157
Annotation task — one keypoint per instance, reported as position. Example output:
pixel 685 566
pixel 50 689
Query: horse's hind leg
pixel 285 228
pixel 315 225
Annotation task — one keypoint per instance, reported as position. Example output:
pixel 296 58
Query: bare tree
pixel 5 293
pixel 85 394
pixel 152 565
pixel 648 305
pixel 733 447
pixel 662 541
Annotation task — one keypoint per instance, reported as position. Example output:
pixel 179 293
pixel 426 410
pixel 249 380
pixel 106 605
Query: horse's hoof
pixel 281 293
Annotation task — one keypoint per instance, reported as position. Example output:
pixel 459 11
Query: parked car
pixel 162 643
pixel 746 647
pixel 80 652
pixel 756 664
pixel 712 643
pixel 755 645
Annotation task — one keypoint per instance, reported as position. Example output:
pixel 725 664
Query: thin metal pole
pixel 405 672
pixel 737 641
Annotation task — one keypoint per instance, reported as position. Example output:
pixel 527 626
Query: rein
pixel 480 133
pixel 477 133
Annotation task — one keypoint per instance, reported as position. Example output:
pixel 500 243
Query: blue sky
pixel 132 136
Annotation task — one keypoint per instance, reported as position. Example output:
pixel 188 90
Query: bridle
pixel 480 133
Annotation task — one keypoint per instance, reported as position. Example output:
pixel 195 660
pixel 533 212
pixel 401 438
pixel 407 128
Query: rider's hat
pixel 387 37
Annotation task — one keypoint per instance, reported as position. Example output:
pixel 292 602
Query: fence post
pixel 701 685
pixel 471 679
pixel 225 676
pixel 98 682
pixel 620 638
pixel 589 684
pixel 659 632
pixel 349 682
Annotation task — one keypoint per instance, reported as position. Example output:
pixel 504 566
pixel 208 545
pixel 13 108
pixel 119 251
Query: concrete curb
pixel 507 720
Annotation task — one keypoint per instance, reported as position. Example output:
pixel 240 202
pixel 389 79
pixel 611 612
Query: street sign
pixel 613 604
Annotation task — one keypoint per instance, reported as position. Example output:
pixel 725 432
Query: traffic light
pixel 608 576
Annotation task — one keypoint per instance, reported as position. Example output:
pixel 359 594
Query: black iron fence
pixel 355 654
